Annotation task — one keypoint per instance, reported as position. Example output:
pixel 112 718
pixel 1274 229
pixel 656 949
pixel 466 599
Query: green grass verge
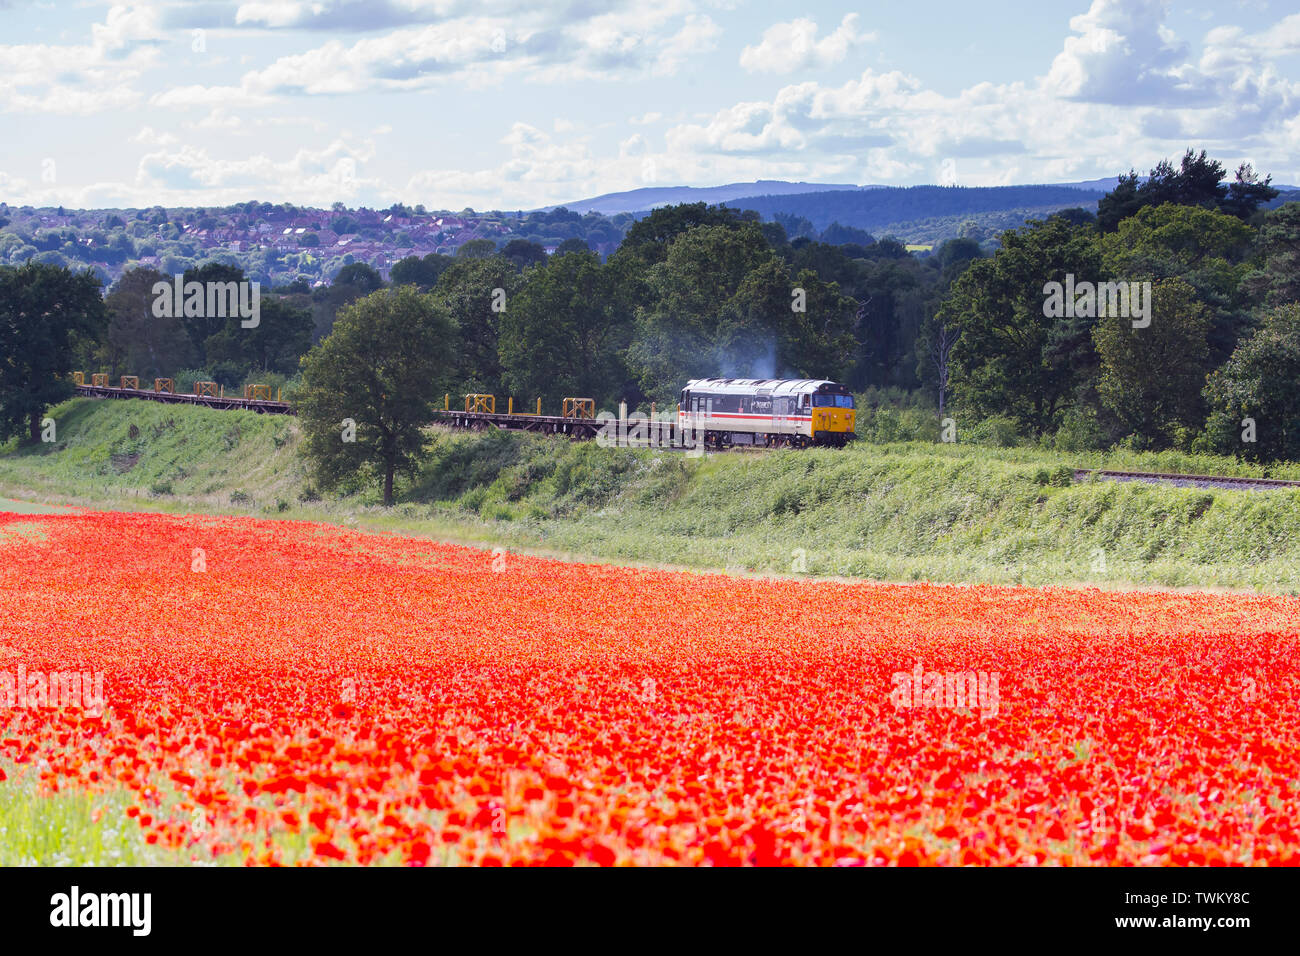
pixel 111 452
pixel 72 828
pixel 903 511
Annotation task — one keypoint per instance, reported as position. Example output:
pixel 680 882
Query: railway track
pixel 586 428
pixel 1189 481
pixel 261 406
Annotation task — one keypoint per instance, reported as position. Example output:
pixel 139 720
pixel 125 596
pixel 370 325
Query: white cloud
pixel 634 145
pixel 538 166
pixel 84 78
pixel 1122 89
pixel 467 51
pixel 220 119
pixel 13 186
pixel 311 174
pixel 743 128
pixel 277 13
pixel 209 96
pixel 787 47
pixel 697 37
pixel 125 26
pixel 1124 54
pixel 151 137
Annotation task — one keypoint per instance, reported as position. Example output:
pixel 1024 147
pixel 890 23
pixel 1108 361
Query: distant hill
pixel 876 208
pixel 981 226
pixel 1285 195
pixel 1095 185
pixel 650 197
pixel 925 214
pixel 917 214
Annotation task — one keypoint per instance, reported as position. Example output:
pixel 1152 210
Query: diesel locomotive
pixel 768 412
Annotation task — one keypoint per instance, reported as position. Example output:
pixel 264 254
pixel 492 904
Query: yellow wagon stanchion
pixel 99 379
pixel 78 378
pixel 475 402
pixel 207 389
pixel 578 408
pixel 164 385
pixel 130 381
pixel 257 393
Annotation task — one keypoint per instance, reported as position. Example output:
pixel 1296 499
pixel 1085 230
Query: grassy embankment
pixel 905 511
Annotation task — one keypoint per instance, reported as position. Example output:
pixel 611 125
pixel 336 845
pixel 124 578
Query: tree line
pixel 1213 368
pixel 696 291
pixel 693 291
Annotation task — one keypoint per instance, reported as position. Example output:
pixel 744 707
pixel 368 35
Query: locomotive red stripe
pixel 788 418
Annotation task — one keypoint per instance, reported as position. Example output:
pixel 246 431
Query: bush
pixel 276 380
pixel 1080 431
pixel 1221 436
pixel 1258 383
pixel 891 415
pixel 229 374
pixel 999 431
pixel 184 379
pixel 1136 443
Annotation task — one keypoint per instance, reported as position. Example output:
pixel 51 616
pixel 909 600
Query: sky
pixel 502 104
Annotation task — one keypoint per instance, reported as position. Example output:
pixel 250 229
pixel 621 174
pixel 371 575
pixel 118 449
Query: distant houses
pixel 258 235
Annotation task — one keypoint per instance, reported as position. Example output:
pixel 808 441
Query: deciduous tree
pixel 44 310
pixel 1152 377
pixel 371 386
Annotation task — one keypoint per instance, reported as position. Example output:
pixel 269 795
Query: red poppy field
pixel 278 692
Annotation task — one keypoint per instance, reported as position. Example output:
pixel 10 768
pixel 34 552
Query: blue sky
pixel 507 104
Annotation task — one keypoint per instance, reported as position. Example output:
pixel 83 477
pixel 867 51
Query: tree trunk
pixel 35 425
pixel 388 485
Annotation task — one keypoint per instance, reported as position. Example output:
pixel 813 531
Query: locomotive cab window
pixel 833 401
